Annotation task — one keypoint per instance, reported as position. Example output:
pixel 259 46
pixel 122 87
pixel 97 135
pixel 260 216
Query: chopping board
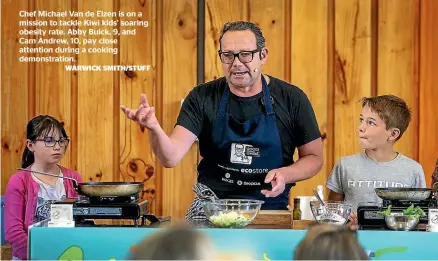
pixel 279 219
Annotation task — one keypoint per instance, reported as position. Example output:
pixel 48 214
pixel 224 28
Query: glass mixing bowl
pixel 232 213
pixel 334 212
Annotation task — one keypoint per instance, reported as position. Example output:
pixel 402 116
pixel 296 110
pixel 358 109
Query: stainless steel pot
pixel 101 189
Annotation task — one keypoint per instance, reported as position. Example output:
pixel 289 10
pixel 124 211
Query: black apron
pixel 243 153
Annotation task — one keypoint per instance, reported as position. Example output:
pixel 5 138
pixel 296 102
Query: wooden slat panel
pixel 398 62
pixel 428 140
pixel 309 72
pixel 270 17
pixel 217 13
pixel 95 104
pixel 352 71
pixel 53 82
pixel 179 31
pixel 14 91
pixel 137 163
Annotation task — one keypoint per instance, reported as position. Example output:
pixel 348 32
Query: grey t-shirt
pixel 357 175
pixel 47 195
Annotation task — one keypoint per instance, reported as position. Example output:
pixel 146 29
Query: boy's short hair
pixel 391 109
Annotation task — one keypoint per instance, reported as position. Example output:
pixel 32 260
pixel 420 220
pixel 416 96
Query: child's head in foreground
pixel 383 121
pixel 330 242
pixel 179 243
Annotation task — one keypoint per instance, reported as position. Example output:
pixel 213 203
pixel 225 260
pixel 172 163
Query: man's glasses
pixel 51 142
pixel 244 56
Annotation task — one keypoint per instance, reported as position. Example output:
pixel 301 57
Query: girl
pixel 29 195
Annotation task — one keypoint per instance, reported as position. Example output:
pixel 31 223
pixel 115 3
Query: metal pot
pixel 403 193
pixel 101 189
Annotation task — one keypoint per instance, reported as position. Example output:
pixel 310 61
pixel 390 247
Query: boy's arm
pixel 335 196
pixel 334 183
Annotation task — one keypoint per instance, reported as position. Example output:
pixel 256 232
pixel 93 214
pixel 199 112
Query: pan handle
pixel 75 183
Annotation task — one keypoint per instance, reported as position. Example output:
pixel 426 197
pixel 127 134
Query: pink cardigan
pixel 20 202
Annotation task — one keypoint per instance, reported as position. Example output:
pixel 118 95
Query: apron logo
pixel 243 153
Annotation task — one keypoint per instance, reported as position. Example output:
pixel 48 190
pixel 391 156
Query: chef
pixel 248 125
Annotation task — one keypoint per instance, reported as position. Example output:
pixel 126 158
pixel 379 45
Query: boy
pixel 382 122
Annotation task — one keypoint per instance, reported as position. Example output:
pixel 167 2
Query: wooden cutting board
pixel 279 219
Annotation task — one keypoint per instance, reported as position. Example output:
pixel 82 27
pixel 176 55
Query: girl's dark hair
pixel 330 242
pixel 38 127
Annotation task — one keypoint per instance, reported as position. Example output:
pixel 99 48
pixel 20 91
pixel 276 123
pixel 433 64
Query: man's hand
pixel 277 181
pixel 143 115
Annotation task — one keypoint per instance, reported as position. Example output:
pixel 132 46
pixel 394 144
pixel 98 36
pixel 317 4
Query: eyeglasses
pixel 244 56
pixel 51 142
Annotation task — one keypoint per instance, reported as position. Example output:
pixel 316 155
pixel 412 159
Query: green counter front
pixel 105 243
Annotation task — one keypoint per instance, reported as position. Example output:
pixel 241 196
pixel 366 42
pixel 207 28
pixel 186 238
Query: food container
pixel 401 222
pixel 232 213
pixel 332 212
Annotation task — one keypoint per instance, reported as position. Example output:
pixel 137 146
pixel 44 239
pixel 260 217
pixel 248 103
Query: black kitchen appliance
pixel 131 208
pixel 369 217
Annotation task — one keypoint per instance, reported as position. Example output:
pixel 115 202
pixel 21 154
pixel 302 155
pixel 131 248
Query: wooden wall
pixel 336 51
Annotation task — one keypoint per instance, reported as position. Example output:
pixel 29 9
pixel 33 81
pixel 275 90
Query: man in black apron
pixel 248 126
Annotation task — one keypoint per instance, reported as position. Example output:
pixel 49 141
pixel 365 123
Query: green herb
pixel 412 211
pixel 417 212
pixel 386 212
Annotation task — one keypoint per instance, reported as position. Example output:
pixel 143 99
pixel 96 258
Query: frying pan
pixel 404 193
pixel 101 189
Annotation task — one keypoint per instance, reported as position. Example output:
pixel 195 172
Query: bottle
pixel 297 211
pixel 320 191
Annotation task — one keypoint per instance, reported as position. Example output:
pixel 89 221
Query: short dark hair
pixel 242 26
pixel 39 127
pixel 391 109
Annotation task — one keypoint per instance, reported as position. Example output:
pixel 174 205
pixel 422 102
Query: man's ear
pixel 394 134
pixel 264 55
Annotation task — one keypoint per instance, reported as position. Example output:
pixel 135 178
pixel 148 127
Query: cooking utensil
pixel 324 209
pixel 100 189
pixel 318 197
pixel 403 193
pixel 399 221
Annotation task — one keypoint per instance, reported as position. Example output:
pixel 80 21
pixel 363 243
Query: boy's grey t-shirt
pixel 357 175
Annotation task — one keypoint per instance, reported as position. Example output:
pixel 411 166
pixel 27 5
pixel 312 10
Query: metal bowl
pixel 401 222
pixel 334 212
pixel 232 213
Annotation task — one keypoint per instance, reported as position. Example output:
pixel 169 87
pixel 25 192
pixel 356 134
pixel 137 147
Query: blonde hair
pixel 330 242
pixel 179 243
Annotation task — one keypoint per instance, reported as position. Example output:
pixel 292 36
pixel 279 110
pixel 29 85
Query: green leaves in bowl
pixel 415 212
